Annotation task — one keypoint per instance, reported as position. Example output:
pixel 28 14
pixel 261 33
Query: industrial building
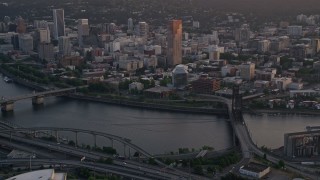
pixel 302 144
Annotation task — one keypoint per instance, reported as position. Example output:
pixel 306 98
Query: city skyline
pixel 132 87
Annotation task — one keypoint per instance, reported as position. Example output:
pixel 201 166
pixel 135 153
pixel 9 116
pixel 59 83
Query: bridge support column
pixel 7 107
pixel 37 100
pixel 129 153
pixel 95 141
pixel 124 150
pixel 111 142
pixel 234 139
pixel 57 136
pixel 76 139
pixel 10 136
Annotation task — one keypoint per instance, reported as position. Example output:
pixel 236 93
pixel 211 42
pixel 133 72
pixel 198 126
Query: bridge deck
pixel 28 96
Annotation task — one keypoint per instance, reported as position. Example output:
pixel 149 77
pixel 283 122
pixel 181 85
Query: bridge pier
pixel 124 150
pixel 57 136
pixel 76 139
pixel 129 153
pixel 111 140
pixel 37 100
pixel 95 141
pixel 7 106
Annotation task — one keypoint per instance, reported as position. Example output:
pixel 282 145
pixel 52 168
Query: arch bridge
pixel 125 141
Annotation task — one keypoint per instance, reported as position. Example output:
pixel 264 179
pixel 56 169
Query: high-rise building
pixel 25 43
pixel 45 51
pixel 51 28
pixel 130 25
pixel 41 35
pixel 263 46
pixel 83 30
pixel 15 41
pixel 112 27
pixel 143 29
pixel 174 38
pixel 247 71
pixel 44 35
pixel 21 26
pixel 64 46
pixel 58 20
pixel 242 34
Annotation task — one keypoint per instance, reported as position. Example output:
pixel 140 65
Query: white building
pixel 157 49
pixel 263 46
pixel 44 35
pixel 282 83
pixel 130 25
pixel 136 86
pixel 130 65
pixel 196 24
pixel 308 92
pixel 114 46
pixel 143 29
pixel 40 175
pixel 254 170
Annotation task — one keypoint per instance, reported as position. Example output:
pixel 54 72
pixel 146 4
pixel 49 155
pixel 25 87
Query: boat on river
pixel 7 80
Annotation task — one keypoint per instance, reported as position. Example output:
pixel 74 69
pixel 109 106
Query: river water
pixel 155 131
pixel 269 130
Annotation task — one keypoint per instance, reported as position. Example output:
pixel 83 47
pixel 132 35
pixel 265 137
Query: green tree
pixel 281 164
pixel 198 170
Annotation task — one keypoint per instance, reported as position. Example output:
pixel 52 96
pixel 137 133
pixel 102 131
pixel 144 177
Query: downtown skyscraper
pixel 174 47
pixel 58 20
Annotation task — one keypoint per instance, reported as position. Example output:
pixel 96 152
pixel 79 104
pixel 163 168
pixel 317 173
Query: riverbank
pixel 23 82
pixel 154 106
pixel 123 102
pixel 276 112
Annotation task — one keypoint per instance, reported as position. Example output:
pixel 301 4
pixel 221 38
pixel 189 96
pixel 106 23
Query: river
pixel 157 132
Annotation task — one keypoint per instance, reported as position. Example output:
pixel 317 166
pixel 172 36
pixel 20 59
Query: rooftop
pixel 159 89
pixel 46 174
pixel 254 167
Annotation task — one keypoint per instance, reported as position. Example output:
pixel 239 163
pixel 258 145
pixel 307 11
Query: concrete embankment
pixel 288 111
pixel 156 106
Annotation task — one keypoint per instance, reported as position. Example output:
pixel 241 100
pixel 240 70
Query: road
pixel 248 148
pixel 164 172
